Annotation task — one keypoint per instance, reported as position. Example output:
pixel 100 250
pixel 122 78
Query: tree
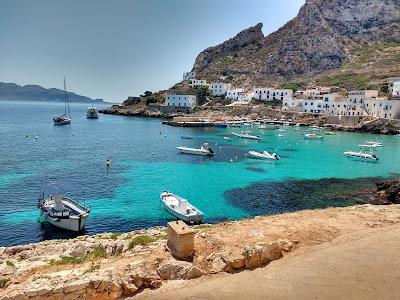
pixel 147 94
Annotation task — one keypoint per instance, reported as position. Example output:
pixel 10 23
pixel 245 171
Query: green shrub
pixel 142 240
pixel 3 282
pixel 114 236
pixel 98 252
pixel 10 263
pixel 67 260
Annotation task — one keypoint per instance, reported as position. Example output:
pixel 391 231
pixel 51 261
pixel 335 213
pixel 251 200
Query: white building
pixel 396 88
pixel 383 108
pixel 334 104
pixel 234 94
pixel 331 104
pixel 189 75
pixel 270 94
pixel 198 82
pixel 219 88
pixel 356 101
pixel 391 82
pixel 180 100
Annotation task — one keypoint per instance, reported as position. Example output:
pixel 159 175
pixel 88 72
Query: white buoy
pixel 36 137
pixel 73 134
pixel 231 160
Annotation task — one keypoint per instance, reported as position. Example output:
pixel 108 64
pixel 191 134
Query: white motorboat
pixel 370 146
pixel 92 113
pixel 65 118
pixel 263 155
pixel 204 150
pixel 227 138
pixel 180 208
pixel 361 154
pixel 280 135
pixel 247 136
pixel 313 136
pixel 63 212
pixel 374 143
pixel 262 127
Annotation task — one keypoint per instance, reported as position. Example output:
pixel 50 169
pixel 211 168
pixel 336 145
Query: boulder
pixel 285 244
pixel 78 249
pixel 173 269
pixel 253 256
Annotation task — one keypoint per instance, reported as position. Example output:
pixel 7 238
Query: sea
pixel 38 157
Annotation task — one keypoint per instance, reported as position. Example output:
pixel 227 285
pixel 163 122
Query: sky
pixel 115 49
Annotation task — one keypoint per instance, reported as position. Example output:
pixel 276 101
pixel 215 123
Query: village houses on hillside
pixel 321 100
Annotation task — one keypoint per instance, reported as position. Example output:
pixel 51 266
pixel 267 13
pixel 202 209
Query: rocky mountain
pixel 12 91
pixel 328 41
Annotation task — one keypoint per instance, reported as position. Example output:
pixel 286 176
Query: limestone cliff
pixel 325 35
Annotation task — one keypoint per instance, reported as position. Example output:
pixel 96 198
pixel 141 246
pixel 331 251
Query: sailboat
pixel 66 117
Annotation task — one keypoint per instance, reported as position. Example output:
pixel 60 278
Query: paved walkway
pixel 350 267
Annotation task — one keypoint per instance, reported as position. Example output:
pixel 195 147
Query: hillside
pixel 12 91
pixel 328 41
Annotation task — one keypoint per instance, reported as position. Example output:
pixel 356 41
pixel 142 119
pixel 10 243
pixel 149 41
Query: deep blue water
pixel 144 162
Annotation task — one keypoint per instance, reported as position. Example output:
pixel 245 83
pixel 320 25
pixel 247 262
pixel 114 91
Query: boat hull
pixel 257 155
pixel 249 137
pixel 189 218
pixel 360 155
pixel 194 151
pixel 73 223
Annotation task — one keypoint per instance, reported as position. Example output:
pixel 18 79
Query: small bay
pixel 144 162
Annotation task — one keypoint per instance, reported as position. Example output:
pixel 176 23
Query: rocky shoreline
pixel 335 123
pixel 111 265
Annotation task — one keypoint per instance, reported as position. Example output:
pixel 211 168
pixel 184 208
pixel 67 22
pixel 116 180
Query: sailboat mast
pixel 65 98
pixel 66 104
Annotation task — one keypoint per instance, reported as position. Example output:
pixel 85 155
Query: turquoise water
pixel 144 162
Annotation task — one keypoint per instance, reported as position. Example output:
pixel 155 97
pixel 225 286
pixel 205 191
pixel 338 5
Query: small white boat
pixel 227 138
pixel 280 135
pixel 315 127
pixel 374 143
pixel 286 124
pixel 92 113
pixel 330 133
pixel 262 127
pixel 247 136
pixel 204 150
pixel 361 154
pixel 63 212
pixel 180 208
pixel 313 136
pixel 370 146
pixel 263 155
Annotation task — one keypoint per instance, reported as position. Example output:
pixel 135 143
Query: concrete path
pixel 365 265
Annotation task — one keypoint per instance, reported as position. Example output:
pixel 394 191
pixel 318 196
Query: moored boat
pixel 92 113
pixel 247 136
pixel 313 136
pixel 204 150
pixel 361 154
pixel 263 155
pixel 374 143
pixel 180 208
pixel 330 133
pixel 63 212
pixel 65 118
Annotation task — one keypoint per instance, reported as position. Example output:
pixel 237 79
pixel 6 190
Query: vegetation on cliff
pixel 351 44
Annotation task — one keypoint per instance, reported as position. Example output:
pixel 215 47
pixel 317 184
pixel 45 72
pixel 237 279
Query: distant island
pixel 12 91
